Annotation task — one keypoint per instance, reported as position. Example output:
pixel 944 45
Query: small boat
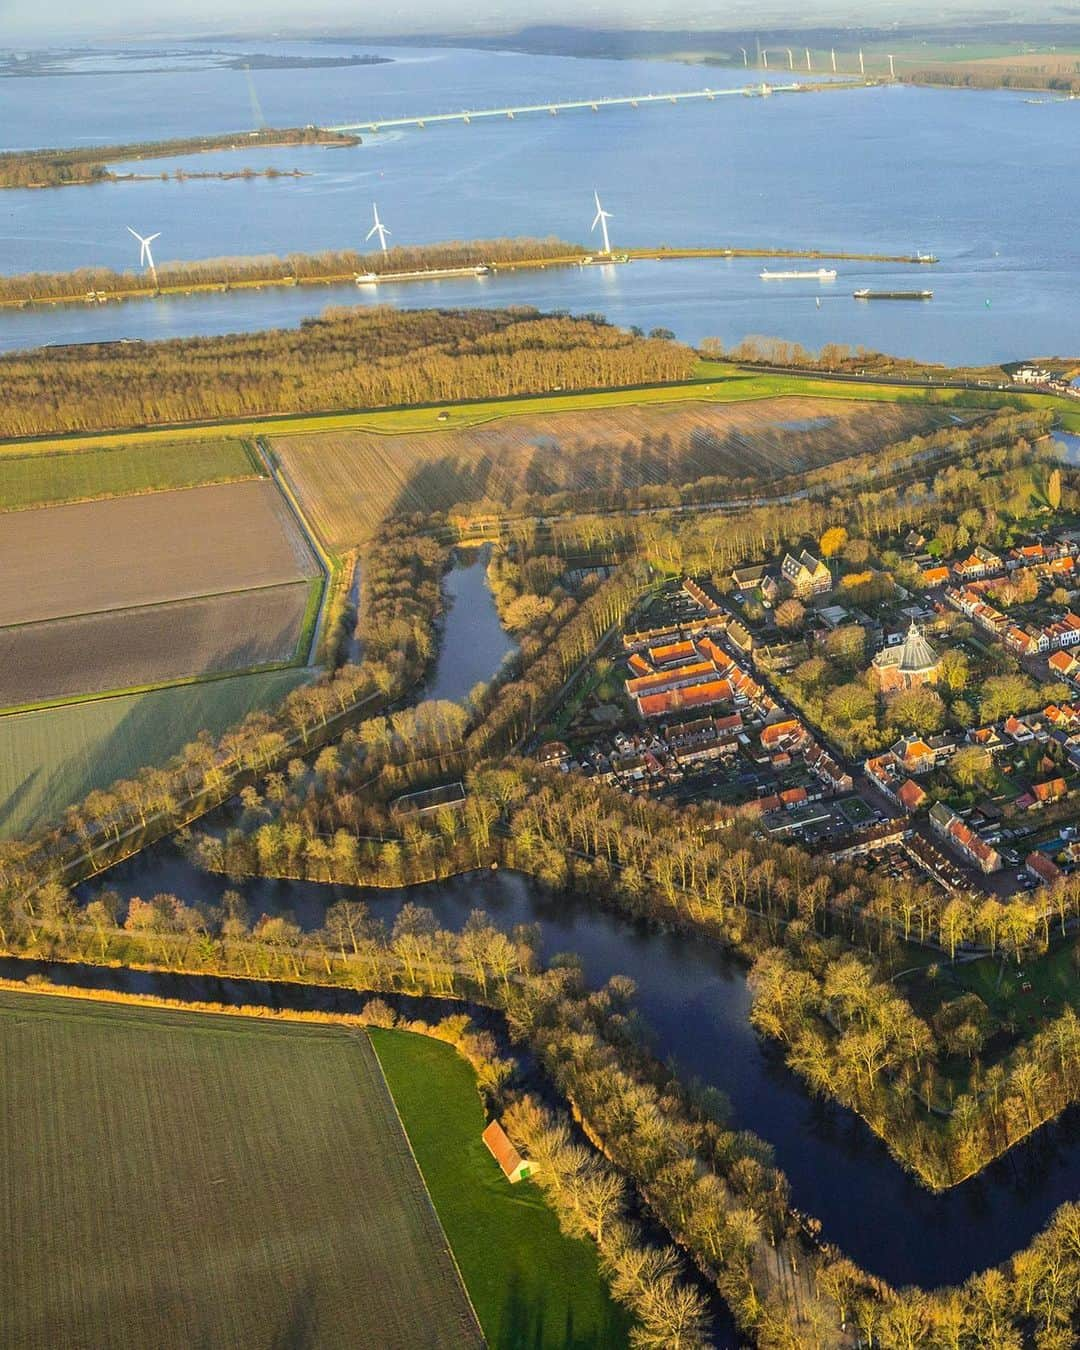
pixel 818 274
pixel 366 278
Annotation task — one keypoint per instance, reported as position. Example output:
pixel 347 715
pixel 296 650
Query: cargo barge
pixel 818 274
pixel 893 295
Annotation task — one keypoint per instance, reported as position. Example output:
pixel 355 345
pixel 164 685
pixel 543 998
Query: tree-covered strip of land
pixel 294 268
pixel 51 476
pixel 180 1179
pixel 89 163
pixel 347 359
pixel 528 1281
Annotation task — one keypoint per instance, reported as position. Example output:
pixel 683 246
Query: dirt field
pixel 134 647
pixel 178 1180
pixel 348 482
pixel 145 550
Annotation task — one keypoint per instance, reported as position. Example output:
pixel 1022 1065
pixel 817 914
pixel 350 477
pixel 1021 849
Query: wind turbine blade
pixel 135 234
pixel 599 217
pixel 374 230
pixel 152 237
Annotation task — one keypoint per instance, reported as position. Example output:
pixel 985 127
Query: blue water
pixel 474 644
pixel 1070 446
pixel 884 170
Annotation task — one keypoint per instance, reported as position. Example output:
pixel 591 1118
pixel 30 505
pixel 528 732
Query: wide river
pixel 986 181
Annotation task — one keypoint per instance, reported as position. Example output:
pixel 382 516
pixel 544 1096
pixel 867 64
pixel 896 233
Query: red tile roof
pixel 501 1149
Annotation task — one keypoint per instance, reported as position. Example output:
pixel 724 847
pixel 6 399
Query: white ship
pixel 819 274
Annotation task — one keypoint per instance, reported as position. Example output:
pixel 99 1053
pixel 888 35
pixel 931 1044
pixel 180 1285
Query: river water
pixel 885 169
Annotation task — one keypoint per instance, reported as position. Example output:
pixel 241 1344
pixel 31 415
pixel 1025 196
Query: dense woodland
pixel 89 163
pixel 347 359
pixel 295 267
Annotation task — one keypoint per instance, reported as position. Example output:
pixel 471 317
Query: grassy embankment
pixel 180 1179
pixel 530 1285
pixel 66 166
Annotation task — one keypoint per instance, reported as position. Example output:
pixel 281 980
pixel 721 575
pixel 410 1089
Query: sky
pixel 60 21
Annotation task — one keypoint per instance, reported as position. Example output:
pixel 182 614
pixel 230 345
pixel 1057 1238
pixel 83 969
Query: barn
pixel 513 1165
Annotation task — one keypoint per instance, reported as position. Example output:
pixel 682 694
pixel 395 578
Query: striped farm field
pixel 51 758
pixel 350 481
pixel 54 474
pixel 154 644
pixel 146 550
pixel 186 1179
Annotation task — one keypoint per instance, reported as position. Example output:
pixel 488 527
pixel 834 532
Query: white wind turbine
pixel 602 218
pixel 146 258
pixel 378 228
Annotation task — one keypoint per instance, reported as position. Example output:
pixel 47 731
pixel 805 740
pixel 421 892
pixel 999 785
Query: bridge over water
pixel 595 104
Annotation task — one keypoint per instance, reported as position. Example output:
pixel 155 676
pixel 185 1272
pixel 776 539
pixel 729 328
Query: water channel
pixel 695 999
pixel 473 643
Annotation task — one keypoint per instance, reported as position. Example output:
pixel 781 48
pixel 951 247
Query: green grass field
pixel 530 1285
pixel 62 473
pixel 178 1179
pixel 50 759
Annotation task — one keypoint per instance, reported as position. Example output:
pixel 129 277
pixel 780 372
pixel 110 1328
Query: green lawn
pixel 50 759
pixel 178 1179
pixel 61 473
pixel 1052 977
pixel 531 1286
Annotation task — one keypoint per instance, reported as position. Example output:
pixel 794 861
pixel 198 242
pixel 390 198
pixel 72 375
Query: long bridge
pixel 593 104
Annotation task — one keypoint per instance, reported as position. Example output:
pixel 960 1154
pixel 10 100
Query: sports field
pixel 531 1285
pixel 53 474
pixel 349 481
pixel 50 759
pixel 177 1179
pixel 146 550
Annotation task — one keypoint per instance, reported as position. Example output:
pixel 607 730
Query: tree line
pixel 356 358
pixel 298 268
pixel 90 163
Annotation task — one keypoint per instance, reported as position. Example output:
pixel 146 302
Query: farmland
pixel 50 759
pixel 52 475
pixel 529 1283
pixel 140 647
pixel 349 481
pixel 145 550
pixel 179 1179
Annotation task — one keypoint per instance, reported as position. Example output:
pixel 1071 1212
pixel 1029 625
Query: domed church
pixel 911 665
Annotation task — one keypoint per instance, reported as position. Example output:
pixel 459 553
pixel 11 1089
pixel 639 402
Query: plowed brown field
pixel 350 481
pixel 145 550
pixel 131 648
